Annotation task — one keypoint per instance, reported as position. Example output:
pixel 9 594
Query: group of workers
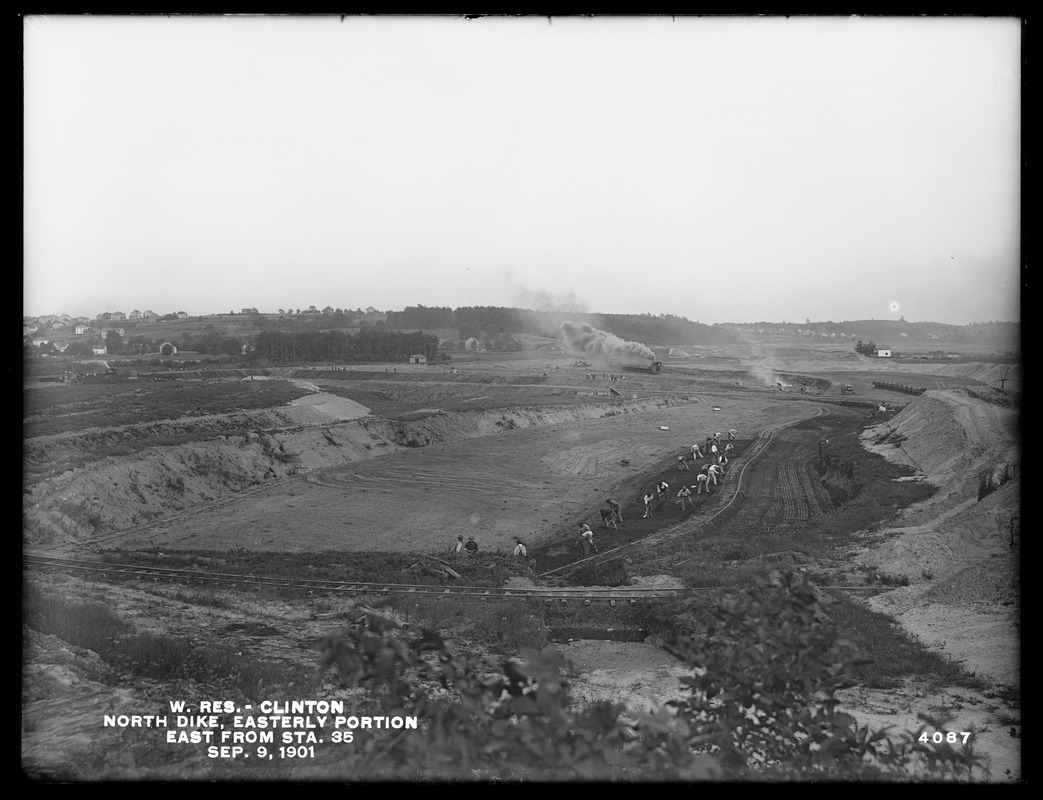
pixel 470 547
pixel 715 449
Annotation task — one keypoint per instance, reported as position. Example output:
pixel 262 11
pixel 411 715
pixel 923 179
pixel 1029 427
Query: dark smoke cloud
pixel 584 339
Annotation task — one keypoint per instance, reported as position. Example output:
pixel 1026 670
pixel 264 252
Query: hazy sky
pixel 723 169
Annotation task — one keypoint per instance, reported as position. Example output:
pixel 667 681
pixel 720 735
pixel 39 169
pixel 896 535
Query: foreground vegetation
pixel 760 703
pixel 132 654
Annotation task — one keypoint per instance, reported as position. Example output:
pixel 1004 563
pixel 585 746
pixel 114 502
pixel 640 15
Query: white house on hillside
pixel 883 353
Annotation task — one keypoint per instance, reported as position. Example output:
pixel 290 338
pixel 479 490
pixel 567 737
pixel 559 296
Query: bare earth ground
pixel 351 481
pixel 533 482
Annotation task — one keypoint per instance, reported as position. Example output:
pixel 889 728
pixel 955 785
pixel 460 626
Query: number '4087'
pixel 952 737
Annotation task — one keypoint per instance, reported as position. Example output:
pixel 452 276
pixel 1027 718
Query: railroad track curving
pixel 731 488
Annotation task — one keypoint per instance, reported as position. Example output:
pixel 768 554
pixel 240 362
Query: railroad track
pixel 105 569
pixel 731 489
pixel 585 595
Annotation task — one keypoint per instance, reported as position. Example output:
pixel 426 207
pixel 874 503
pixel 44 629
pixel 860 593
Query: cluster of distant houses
pixel 64 324
pixel 83 326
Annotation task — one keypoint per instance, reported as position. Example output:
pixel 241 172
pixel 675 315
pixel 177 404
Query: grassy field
pixel 71 408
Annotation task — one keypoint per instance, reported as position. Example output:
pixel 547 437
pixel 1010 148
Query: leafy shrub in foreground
pixel 761 705
pixel 763 700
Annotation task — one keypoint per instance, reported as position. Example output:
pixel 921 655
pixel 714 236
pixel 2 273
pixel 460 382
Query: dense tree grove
pixel 422 317
pixel 369 344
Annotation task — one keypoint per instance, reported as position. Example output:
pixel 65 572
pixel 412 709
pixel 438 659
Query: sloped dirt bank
pixel 958 551
pixel 321 430
pixel 952 438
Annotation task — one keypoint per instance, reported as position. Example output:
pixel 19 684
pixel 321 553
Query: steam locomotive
pixel 635 365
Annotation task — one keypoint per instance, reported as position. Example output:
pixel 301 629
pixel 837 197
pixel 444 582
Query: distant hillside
pixel 495 322
pixel 893 333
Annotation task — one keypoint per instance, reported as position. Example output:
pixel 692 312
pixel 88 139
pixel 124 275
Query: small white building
pixel 883 353
pixel 417 358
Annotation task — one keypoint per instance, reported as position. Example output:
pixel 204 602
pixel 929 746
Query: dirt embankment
pixel 952 438
pixel 111 492
pixel 957 550
pixel 1010 375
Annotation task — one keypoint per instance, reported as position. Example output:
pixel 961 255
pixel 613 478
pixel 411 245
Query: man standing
pixel 685 495
pixel 648 498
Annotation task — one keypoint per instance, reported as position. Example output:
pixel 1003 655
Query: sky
pixel 727 169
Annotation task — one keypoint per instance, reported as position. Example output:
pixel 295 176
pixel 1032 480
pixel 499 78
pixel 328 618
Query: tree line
pixel 369 344
pixel 478 321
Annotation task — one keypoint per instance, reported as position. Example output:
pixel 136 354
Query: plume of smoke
pixel 584 339
pixel 761 371
pixel 763 374
pixel 766 375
